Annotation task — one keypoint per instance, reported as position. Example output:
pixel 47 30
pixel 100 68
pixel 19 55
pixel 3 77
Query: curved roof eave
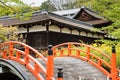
pixel 14 21
pixel 72 22
pixel 45 15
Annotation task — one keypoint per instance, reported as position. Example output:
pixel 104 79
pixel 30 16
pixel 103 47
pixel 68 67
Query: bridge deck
pixel 75 68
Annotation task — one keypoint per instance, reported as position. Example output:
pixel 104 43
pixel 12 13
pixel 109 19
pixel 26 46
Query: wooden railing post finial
pixel 113 49
pixel 60 74
pixel 50 52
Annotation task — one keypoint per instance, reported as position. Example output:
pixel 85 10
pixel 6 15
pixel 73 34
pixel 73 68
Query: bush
pixel 107 48
pixel 8 33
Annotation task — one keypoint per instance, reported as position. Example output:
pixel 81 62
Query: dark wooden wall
pixel 58 38
pixel 40 40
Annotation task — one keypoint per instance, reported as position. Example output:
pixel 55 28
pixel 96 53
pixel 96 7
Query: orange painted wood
pixel 24 57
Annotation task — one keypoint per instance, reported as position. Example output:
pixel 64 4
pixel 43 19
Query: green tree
pixel 7 8
pixel 87 3
pixel 8 33
pixel 69 4
pixel 109 9
pixel 48 6
pixel 17 9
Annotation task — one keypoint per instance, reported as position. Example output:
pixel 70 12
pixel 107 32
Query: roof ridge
pixel 71 19
pixel 90 9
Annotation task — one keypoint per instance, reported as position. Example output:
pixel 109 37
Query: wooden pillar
pixel 47 34
pixel 60 40
pixel 60 30
pixel 71 34
pixel 27 37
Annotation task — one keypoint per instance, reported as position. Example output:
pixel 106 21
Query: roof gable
pixel 84 16
pixel 88 14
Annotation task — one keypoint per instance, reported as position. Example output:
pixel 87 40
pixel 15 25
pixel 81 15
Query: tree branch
pixel 7 5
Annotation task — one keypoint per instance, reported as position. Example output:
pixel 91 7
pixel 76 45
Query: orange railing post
pixel 114 72
pixel 54 51
pixel 88 53
pixel 69 49
pixel 26 55
pixel 11 49
pixel 4 55
pixel 60 74
pixel 50 64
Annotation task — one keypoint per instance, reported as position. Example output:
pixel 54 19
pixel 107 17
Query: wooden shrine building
pixel 46 27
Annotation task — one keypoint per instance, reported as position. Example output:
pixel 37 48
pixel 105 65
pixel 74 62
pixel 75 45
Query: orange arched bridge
pixel 78 61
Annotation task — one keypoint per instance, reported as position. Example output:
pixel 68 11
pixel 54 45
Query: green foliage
pixel 16 8
pixel 8 33
pixel 48 6
pixel 105 48
pixel 7 7
pixel 70 4
pixel 108 50
pixel 87 3
pixel 109 9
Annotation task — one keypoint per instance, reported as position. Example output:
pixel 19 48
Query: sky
pixel 33 2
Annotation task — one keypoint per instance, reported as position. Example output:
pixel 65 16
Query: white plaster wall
pixel 65 30
pixel 100 36
pixel 95 36
pixel 37 28
pixel 83 33
pixel 54 28
pixel 22 30
pixel 89 35
pixel 75 32
pixel 32 29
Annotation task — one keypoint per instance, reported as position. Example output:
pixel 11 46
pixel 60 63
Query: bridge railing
pixel 85 52
pixel 90 54
pixel 24 54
